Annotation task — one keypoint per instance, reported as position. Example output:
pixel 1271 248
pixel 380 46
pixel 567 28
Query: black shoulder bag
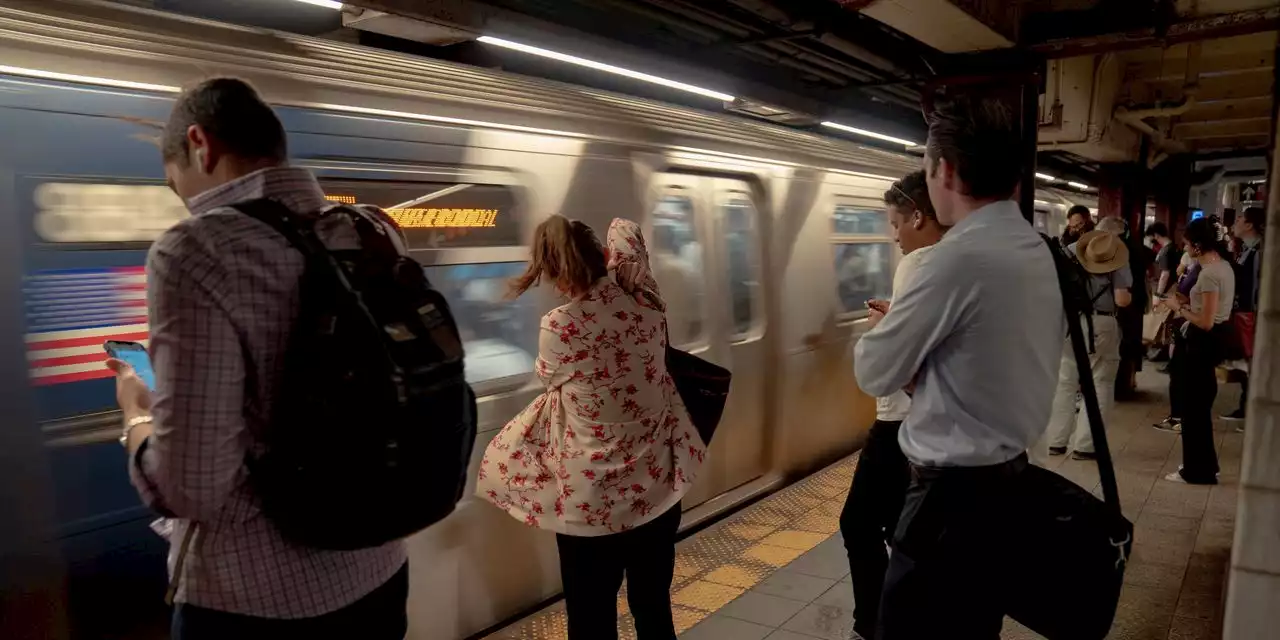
pixel 703 386
pixel 1082 543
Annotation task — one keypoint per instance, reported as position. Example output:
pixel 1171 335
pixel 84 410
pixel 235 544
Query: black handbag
pixel 703 386
pixel 1084 542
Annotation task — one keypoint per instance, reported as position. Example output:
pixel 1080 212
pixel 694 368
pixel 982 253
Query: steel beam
pixel 1204 28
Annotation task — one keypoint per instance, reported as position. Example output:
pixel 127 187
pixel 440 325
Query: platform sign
pixel 71 312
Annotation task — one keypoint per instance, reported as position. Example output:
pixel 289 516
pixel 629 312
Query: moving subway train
pixel 766 242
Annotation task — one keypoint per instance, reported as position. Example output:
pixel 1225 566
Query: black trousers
pixel 592 569
pixel 1193 380
pixel 377 616
pixel 951 560
pixel 870 516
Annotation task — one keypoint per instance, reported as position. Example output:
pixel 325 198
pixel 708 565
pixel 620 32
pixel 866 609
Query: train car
pixel 766 241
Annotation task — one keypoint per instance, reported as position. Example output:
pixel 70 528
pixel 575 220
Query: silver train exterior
pixel 766 240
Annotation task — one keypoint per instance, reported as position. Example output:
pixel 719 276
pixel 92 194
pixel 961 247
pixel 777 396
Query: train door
pixel 705 252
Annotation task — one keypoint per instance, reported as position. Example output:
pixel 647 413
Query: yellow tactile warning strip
pixel 721 563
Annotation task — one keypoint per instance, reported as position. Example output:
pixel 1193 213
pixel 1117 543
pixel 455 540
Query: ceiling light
pixel 1079 185
pixel 869 134
pixel 600 66
pixel 328 4
pixel 1045 176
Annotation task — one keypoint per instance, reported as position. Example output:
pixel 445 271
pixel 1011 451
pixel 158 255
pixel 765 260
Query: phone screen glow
pixel 141 363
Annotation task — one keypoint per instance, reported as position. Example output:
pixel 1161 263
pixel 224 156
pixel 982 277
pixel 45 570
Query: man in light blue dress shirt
pixel 977 337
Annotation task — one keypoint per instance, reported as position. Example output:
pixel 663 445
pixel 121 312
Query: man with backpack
pixel 278 496
pixel 1104 260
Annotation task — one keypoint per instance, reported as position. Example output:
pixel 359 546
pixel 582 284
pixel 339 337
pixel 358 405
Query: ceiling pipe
pixel 1136 118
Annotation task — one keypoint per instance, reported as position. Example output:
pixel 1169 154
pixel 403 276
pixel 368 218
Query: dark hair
pixel 1256 217
pixel 1080 210
pixel 1157 229
pixel 911 192
pixel 1202 233
pixel 565 252
pixel 979 137
pixel 230 111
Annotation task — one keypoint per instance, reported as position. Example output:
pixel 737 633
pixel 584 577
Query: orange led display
pixel 341 199
pixel 444 218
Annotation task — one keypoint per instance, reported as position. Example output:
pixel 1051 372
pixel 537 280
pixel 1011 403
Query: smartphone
pixel 135 355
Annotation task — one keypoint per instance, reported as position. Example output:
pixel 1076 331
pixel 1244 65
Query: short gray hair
pixel 1112 224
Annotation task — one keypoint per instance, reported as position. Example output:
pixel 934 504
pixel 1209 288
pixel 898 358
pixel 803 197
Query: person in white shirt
pixel 880 481
pixel 977 335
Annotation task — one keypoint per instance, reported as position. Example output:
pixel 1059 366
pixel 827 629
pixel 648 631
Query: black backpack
pixel 373 422
pixel 1075 284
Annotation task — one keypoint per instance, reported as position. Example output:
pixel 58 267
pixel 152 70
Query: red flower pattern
pixel 612 435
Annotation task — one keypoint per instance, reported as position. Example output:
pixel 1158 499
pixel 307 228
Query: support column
pixel 1171 188
pixel 1254 587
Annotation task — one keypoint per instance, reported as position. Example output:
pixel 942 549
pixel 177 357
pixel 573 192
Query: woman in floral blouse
pixel 604 455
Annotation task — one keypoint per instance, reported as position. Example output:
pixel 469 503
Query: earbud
pixel 200 158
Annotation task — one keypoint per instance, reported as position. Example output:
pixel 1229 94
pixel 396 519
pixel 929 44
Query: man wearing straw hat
pixel 1104 255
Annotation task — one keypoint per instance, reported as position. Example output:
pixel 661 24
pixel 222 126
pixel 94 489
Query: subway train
pixel 766 242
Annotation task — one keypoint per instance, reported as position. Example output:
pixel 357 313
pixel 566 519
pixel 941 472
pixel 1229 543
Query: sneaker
pixel 1234 416
pixel 1057 451
pixel 1170 424
pixel 1176 476
pixel 1084 455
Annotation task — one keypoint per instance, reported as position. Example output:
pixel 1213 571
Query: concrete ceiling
pixel 862 62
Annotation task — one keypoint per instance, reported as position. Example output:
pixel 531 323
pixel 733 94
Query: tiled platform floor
pixel 778 570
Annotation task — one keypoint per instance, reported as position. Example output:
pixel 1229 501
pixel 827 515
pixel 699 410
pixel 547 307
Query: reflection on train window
pixel 743 257
pixel 850 219
pixel 864 272
pixel 676 257
pixel 439 215
pixel 499 335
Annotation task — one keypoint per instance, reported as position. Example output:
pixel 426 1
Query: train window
pixel 864 254
pixel 854 220
pixel 500 335
pixel 439 215
pixel 676 257
pixel 863 272
pixel 743 253
pixel 84 212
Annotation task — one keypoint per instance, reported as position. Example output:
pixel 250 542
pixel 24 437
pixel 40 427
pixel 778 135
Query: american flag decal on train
pixel 71 312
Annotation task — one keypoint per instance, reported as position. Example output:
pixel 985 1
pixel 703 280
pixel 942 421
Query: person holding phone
pixel 222 297
pixel 881 478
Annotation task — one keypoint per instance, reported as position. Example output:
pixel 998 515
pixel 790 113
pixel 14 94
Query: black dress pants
pixel 870 516
pixel 1194 381
pixel 592 569
pixel 951 563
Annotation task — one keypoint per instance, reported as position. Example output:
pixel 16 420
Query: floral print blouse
pixel 608 446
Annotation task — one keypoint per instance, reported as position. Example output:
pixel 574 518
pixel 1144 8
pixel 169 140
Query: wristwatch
pixel 128 428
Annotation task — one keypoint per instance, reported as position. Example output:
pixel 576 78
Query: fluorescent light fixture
pixel 600 66
pixel 328 4
pixel 869 134
pixel 71 77
pixel 1079 185
pixel 1045 176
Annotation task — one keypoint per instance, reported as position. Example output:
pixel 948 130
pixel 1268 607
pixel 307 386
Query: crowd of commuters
pixel 975 291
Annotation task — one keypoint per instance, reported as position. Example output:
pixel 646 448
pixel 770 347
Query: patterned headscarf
pixel 629 264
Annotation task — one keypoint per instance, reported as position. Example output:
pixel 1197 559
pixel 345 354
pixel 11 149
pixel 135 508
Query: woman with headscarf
pixel 605 454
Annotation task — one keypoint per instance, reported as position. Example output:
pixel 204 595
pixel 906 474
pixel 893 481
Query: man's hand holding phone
pixel 879 308
pixel 134 379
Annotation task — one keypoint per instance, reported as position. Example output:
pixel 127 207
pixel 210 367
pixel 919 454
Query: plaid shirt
pixel 222 297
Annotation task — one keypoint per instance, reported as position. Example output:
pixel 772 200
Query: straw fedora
pixel 1101 252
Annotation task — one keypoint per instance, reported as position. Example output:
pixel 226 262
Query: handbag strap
pixel 1106 469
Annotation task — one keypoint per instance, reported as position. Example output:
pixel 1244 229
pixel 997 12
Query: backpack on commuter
pixel 373 425
pixel 1087 541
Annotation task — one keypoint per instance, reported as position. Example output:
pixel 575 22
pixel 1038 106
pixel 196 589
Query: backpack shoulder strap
pixel 277 216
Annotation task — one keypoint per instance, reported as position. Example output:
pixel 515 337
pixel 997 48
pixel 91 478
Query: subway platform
pixel 777 570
